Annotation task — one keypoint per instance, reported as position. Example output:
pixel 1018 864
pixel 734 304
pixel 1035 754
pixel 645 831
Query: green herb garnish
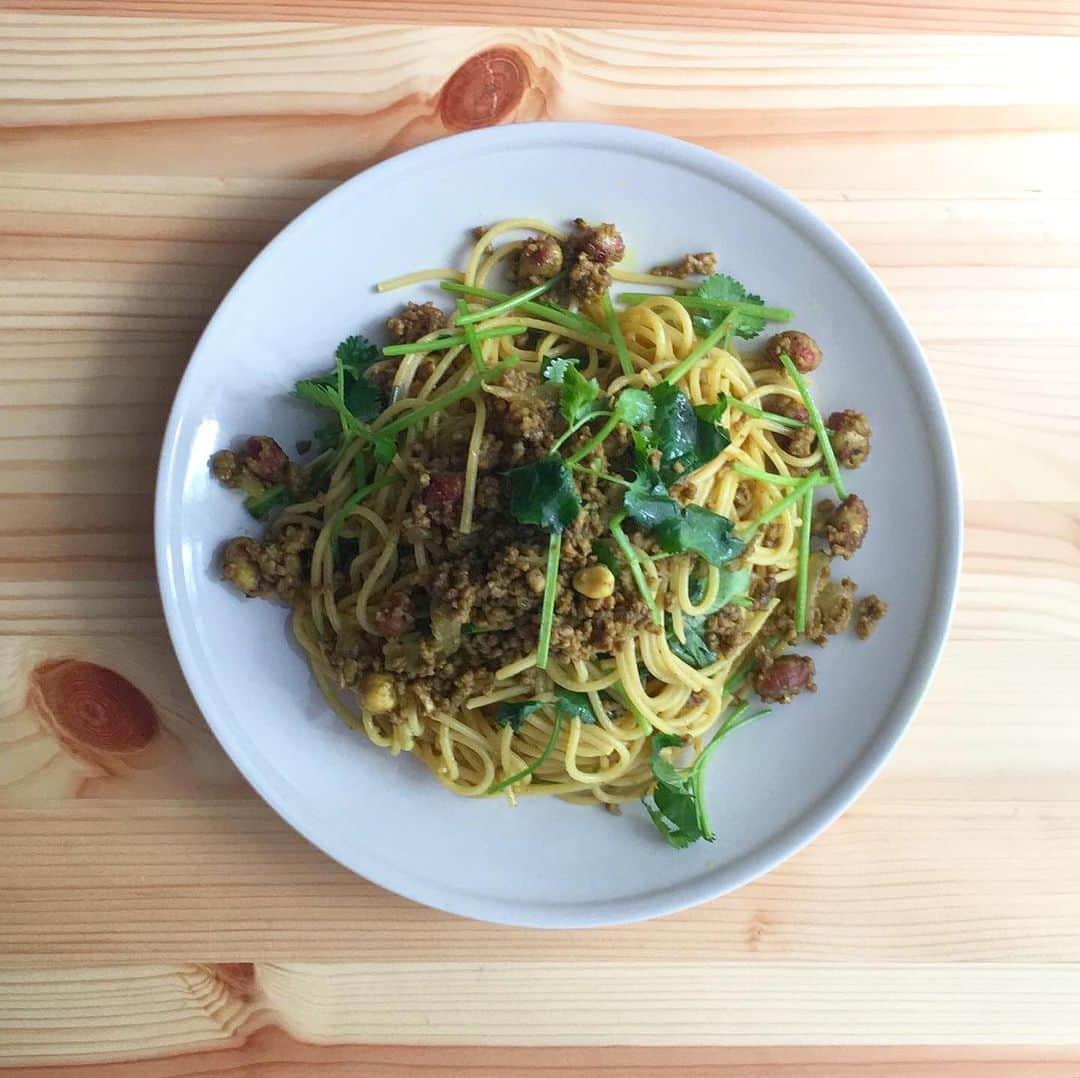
pixel 547 310
pixel 526 771
pixel 346 389
pixel 621 351
pixel 543 493
pixel 259 505
pixel 802 574
pixel 817 424
pixel 727 294
pixel 792 496
pixel 687 436
pixel 437 343
pixel 678 797
pixel 509 303
pixel 760 413
pixel 513 714
pixel 734 584
pixel 698 303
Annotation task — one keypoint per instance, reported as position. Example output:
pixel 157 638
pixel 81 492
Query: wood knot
pixel 236 978
pixel 92 709
pixel 484 90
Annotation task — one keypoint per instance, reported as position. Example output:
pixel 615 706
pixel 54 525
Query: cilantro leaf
pixel 356 354
pixel 579 397
pixel 635 407
pixel 574 705
pixel 650 504
pixel 346 390
pixel 725 291
pixel 678 798
pixel 701 531
pixel 514 714
pixel 734 584
pixel 605 555
pixel 673 811
pixel 319 392
pixel 693 650
pixel 364 400
pixel 543 493
pixel 687 436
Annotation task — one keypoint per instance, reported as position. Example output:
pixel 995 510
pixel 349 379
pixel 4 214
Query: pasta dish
pixel 558 534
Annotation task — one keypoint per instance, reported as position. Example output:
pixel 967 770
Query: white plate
pixel 546 863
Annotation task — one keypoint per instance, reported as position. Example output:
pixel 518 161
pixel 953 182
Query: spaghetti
pixel 548 545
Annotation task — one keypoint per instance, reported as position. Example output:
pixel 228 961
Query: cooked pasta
pixel 546 543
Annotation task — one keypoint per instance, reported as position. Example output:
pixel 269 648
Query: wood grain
pixel 967 16
pixel 157 919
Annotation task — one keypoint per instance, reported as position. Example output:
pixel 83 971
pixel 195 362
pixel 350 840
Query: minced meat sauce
pixel 476 606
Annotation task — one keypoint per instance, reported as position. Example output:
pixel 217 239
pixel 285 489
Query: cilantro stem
pixel 595 441
pixel 804 561
pixel 790 498
pixel 765 477
pixel 630 554
pixel 621 350
pixel 547 611
pixel 509 303
pixel 258 505
pixel 438 343
pixel 770 314
pixel 526 771
pixel 602 475
pixel 682 369
pixel 818 425
pixel 470 336
pixel 444 400
pixel 760 413
pixel 551 311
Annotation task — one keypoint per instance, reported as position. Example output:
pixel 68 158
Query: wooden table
pixel 154 911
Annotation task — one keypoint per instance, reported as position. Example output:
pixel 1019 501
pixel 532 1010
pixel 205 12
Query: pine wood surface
pixel 157 919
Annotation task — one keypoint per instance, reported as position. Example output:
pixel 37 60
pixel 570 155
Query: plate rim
pixel 815 817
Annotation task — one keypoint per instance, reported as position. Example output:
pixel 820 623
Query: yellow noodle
pixel 606 760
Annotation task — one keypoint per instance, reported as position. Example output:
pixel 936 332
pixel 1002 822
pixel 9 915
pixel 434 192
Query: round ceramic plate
pixel 546 863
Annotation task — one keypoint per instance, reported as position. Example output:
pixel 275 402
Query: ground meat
pixel 847 526
pixel 799 443
pixel 763 589
pixel 703 263
pixel 870 611
pixel 589 252
pixel 526 423
pixel 784 678
pixel 588 280
pixel 849 433
pixel 263 457
pixel 801 347
pixel 819 522
pixel 443 496
pixel 416 320
pixel 271 567
pixel 725 631
pixel 394 614
pixel 259 462
pixel 540 259
pixel 771 534
pixel 602 244
pixel 744 499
